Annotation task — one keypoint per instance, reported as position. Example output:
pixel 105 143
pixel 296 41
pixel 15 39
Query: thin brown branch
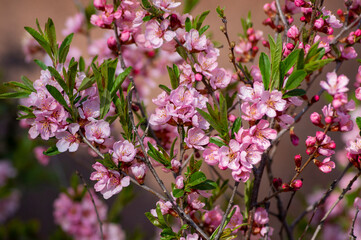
pixel 352 234
pixel 95 207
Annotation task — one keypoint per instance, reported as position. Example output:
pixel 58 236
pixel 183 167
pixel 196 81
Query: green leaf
pixel 217 141
pixel 58 96
pixel 213 122
pixel 182 52
pixel 276 56
pixel 81 64
pixel 28 83
pixel 51 35
pixel 41 64
pixel 315 65
pixel 119 80
pixel 165 88
pixel 59 79
pixel 64 48
pixel 237 125
pixel 51 151
pixel 265 68
pixel 177 193
pixel 146 4
pixel 86 83
pixel 301 60
pixel 153 220
pixel 197 178
pixel 40 39
pixel 105 101
pixel 294 92
pixel 291 59
pixel 107 161
pixel 201 19
pixel 295 79
pixel 189 5
pixel 188 24
pixel 203 29
pixel 358 122
pixel 206 185
pixel 161 217
pixel 220 11
pixel 173 77
pixel 14 95
pixel 17 85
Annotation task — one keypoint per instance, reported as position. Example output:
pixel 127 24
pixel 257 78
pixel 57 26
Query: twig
pixel 314 206
pixel 282 16
pixel 319 227
pixel 345 29
pixel 95 207
pixel 352 234
pixel 230 203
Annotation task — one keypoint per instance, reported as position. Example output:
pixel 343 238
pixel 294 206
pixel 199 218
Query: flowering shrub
pixel 206 116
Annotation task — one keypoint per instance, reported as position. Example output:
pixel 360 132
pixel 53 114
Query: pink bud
pixel 250 31
pixel 320 136
pixel 303 19
pixel 329 30
pixel 358 32
pixel 319 23
pixel 315 98
pixel 285 187
pixel 358 93
pixel 232 118
pixel 310 141
pixel 294 138
pixel 339 12
pixel 125 36
pixel 198 77
pixel 112 43
pixel 175 165
pixel 298 161
pixel 297 184
pixel 265 43
pixel 310 150
pixel 290 46
pixel 100 4
pixel 299 3
pixel 293 32
pixel 179 182
pixel 328 120
pixel 277 182
pixel 290 20
pixel 315 118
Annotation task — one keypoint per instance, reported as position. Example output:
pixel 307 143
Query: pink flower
pixel 229 156
pixel 357 203
pixel 97 131
pixel 335 84
pixel 331 20
pixel 100 4
pixel 110 182
pixel 326 165
pixel 90 109
pixel 271 102
pixel 348 53
pixel 261 216
pixel 220 78
pixel 193 201
pixel 196 138
pixel 166 5
pixel 193 236
pixel 68 140
pixel 236 220
pixel 155 32
pixel 211 155
pixel 179 182
pixel 319 23
pixel 124 151
pixel 207 63
pixel 39 155
pixel 213 217
pixel 193 41
pixel 138 170
pixel 6 171
pixel 43 126
pixel 260 134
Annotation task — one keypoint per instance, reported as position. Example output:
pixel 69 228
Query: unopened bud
pixel 314 99
pixel 222 28
pixel 298 161
pixel 112 43
pixel 277 182
pixel 297 184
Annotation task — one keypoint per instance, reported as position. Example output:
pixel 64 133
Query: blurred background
pixel 40 185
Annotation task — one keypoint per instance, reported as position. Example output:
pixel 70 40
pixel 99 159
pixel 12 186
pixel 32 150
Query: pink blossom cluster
pixel 242 153
pixel 258 102
pixel 76 216
pixel 213 218
pixel 246 50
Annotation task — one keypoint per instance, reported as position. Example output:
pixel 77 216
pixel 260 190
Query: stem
pixel 345 29
pixel 352 234
pixel 230 203
pixel 319 227
pixel 282 16
pixel 95 207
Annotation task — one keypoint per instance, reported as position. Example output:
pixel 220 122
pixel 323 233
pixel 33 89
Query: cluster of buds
pixel 246 50
pixel 285 187
pixel 271 11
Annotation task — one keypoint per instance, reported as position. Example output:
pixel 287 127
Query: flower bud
pixel 297 184
pixel 100 4
pixel 310 141
pixel 316 118
pixel 299 3
pixel 198 77
pixel 303 19
pixel 319 23
pixel 179 182
pixel 320 136
pixel 329 31
pixel 293 32
pixel 277 182
pixel 315 99
pixel 310 150
pixel 232 118
pixel 290 46
pixel 112 43
pixel 294 138
pixel 298 161
pixel 286 187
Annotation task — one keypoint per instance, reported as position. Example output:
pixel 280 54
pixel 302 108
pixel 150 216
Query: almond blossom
pixel 196 138
pixel 335 84
pixel 97 131
pixel 123 151
pixel 68 140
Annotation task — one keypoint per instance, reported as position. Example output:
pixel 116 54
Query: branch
pixel 345 29
pixel 230 203
pixel 352 234
pixel 95 207
pixel 319 227
pixel 283 18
